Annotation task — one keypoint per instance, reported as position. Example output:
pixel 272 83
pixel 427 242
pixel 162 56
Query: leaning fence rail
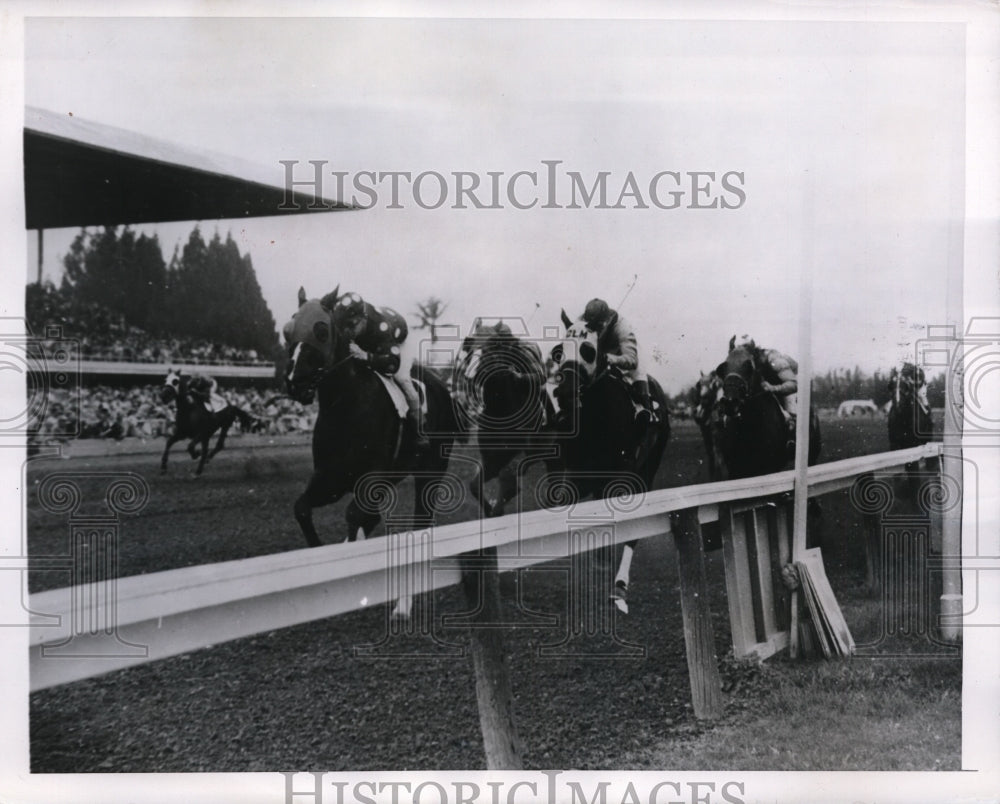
pixel 90 629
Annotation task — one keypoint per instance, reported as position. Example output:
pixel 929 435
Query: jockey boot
pixel 420 440
pixel 790 422
pixel 645 416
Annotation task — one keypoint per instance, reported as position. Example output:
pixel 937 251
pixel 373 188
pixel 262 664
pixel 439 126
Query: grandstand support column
pixel 41 252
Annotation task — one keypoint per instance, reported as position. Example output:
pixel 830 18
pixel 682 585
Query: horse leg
pixel 360 524
pixel 220 442
pixel 485 472
pixel 508 480
pixel 204 456
pixel 166 451
pixel 316 495
pixel 475 484
pixel 619 595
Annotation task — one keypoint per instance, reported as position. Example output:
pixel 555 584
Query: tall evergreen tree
pixel 208 291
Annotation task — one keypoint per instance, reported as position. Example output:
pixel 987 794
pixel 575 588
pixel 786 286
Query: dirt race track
pixel 300 697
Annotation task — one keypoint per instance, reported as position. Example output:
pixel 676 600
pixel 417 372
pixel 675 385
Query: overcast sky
pixel 871 113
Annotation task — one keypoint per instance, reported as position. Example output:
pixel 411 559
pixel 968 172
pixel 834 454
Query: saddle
pixel 215 403
pixel 399 398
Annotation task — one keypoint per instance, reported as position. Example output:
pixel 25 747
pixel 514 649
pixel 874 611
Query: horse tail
pixel 247 420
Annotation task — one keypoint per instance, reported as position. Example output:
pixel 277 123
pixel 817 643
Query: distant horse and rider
pixel 201 412
pixel 909 412
pixel 909 419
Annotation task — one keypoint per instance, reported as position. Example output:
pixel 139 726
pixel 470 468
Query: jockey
pixel 526 355
pixel 779 376
pixel 377 335
pixel 617 340
pixel 206 390
pixel 916 375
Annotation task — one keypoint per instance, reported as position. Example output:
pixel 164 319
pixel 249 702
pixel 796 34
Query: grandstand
pixel 111 374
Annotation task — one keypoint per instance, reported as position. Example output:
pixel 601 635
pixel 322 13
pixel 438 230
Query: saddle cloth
pixel 217 403
pixel 399 398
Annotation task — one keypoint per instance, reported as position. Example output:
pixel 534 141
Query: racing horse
pixel 705 396
pixel 750 436
pixel 196 422
pixel 500 379
pixel 909 415
pixel 359 432
pixel 604 451
pixel 909 419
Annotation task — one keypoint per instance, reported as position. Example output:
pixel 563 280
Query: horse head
pixel 497 348
pixel 579 362
pixel 905 382
pixel 171 388
pixel 313 345
pixel 706 394
pixel 739 377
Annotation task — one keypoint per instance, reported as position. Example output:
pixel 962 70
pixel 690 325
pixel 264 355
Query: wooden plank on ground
pixel 823 605
pixel 762 570
pixel 738 589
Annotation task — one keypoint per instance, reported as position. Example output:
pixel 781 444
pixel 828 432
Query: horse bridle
pixel 733 405
pixel 320 373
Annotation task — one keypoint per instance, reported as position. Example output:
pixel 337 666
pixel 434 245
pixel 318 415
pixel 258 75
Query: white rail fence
pixel 89 629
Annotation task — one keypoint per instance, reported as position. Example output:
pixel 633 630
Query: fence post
pixel 481 583
pixel 703 668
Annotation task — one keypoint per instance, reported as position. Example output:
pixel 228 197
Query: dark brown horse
pixel 359 444
pixel 196 422
pixel 604 450
pixel 909 417
pixel 500 380
pixel 750 435
pixel 705 396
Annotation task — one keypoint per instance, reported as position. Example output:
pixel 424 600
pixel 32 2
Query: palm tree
pixel 429 312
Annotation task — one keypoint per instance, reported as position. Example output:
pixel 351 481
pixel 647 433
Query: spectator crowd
pixel 104 412
pixel 104 335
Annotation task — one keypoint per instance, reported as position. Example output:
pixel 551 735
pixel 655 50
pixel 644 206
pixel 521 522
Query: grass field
pixel 302 697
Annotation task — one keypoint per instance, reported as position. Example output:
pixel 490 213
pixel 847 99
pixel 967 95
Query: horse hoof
pixel 402 610
pixel 620 597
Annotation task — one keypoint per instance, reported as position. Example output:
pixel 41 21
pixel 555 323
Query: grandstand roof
pixel 79 173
